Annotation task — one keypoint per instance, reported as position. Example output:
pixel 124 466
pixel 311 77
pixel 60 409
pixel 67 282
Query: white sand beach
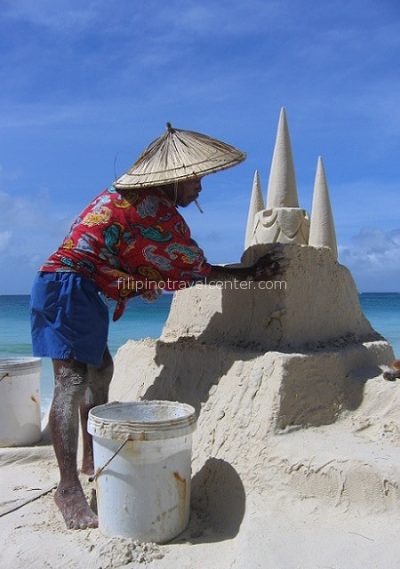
pixel 323 497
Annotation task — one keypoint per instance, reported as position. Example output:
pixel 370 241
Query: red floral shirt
pixel 128 243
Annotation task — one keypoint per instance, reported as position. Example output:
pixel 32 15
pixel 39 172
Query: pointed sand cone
pixel 282 190
pixel 322 228
pixel 256 205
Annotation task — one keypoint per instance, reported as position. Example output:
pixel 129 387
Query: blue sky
pixel 85 86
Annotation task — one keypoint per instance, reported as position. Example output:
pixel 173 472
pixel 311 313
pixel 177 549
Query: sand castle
pixel 286 383
pixel 309 323
pixel 296 459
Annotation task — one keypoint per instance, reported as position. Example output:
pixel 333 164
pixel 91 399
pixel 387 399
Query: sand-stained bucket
pixel 142 455
pixel 19 401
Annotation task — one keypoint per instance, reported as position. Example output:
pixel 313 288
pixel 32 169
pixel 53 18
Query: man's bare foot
pixel 74 508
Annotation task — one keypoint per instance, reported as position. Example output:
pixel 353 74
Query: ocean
pixel 142 319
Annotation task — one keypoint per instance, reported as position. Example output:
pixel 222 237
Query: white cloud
pixel 373 251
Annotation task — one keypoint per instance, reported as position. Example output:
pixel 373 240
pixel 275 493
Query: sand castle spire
pixel 256 205
pixel 322 228
pixel 282 190
pixel 282 220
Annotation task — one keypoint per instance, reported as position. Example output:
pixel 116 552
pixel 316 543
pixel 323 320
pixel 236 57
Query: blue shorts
pixel 69 319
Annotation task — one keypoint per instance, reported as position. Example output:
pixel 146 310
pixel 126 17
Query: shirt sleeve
pixel 162 249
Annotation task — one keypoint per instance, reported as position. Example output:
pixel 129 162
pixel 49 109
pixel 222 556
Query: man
pixel 127 240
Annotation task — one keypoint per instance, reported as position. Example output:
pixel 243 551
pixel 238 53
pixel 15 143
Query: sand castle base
pixel 250 404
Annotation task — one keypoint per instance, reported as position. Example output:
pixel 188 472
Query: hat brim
pixel 179 155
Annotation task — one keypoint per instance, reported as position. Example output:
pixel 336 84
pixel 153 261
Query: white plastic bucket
pixel 19 401
pixel 143 492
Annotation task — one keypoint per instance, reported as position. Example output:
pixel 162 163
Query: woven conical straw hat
pixel 179 155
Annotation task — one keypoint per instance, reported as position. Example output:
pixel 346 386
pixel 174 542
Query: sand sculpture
pixel 256 205
pixel 282 220
pixel 286 383
pixel 322 228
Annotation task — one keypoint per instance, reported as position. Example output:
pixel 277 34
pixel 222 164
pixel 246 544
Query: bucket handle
pixel 4 375
pixel 100 470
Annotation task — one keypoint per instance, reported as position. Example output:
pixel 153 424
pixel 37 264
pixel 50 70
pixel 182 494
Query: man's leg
pixel 71 379
pixel 99 379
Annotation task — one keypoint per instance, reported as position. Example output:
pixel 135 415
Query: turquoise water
pixel 383 311
pixel 143 320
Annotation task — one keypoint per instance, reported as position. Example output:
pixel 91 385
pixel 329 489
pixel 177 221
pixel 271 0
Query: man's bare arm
pixel 268 266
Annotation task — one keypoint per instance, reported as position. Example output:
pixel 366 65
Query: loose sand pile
pixel 296 458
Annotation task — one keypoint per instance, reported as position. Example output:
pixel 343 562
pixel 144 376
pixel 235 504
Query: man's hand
pixel 269 265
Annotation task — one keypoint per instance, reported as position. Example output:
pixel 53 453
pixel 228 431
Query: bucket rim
pixel 19 363
pixel 115 428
